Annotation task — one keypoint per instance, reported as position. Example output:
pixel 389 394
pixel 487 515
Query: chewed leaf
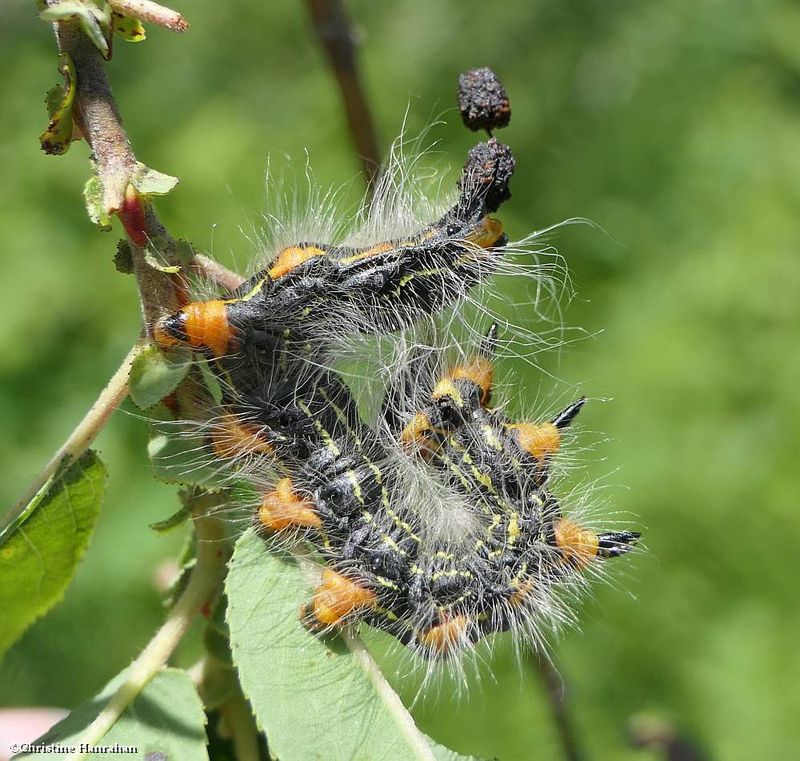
pixel 53 99
pixel 314 699
pixel 150 182
pixel 123 259
pixel 158 261
pixel 127 27
pixel 40 554
pixel 56 139
pixel 167 255
pixel 165 721
pixel 156 374
pixel 93 197
pixel 94 20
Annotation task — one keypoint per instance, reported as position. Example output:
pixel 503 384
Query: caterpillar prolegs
pixel 434 521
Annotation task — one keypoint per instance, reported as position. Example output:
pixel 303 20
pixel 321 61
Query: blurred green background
pixel 674 124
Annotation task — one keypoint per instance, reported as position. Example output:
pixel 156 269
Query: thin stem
pixel 555 690
pixel 153 13
pixel 81 437
pixel 97 114
pixel 337 36
pixel 98 117
pixel 215 272
pixel 204 584
pixel 244 732
pixel 390 698
pixel 238 723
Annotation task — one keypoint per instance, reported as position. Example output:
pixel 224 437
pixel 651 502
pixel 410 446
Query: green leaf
pixel 187 560
pixel 41 552
pixel 178 518
pixel 94 20
pixel 149 182
pixel 156 374
pixel 312 697
pixel 165 721
pixel 158 261
pixel 168 255
pixel 210 380
pixel 56 139
pixel 127 27
pixel 53 99
pixel 182 252
pixel 93 197
pixel 123 258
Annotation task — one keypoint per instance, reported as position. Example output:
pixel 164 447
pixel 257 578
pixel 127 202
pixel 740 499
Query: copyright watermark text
pixel 67 749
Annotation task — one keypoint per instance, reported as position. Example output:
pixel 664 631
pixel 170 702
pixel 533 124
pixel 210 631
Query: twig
pixel 100 122
pixel 204 584
pixel 242 725
pixel 97 115
pixel 215 272
pixel 335 32
pixel 81 438
pixel 556 693
pixel 146 10
pixel 215 677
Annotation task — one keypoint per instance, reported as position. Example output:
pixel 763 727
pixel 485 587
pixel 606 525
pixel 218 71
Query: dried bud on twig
pixel 482 100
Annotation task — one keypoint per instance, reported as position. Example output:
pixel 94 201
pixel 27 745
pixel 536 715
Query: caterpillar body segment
pixel 447 637
pixel 580 546
pixel 564 418
pixel 283 507
pixel 201 325
pixel 462 388
pixel 233 436
pixel 314 291
pixel 612 544
pixel 337 598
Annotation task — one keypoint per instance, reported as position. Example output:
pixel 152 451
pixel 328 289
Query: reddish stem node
pixel 133 215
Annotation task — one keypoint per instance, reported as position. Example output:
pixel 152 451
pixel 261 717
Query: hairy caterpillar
pixel 434 521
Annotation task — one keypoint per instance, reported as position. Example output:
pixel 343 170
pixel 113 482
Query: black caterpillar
pixel 435 522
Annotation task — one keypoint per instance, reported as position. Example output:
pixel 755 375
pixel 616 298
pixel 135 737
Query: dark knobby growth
pixel 482 100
